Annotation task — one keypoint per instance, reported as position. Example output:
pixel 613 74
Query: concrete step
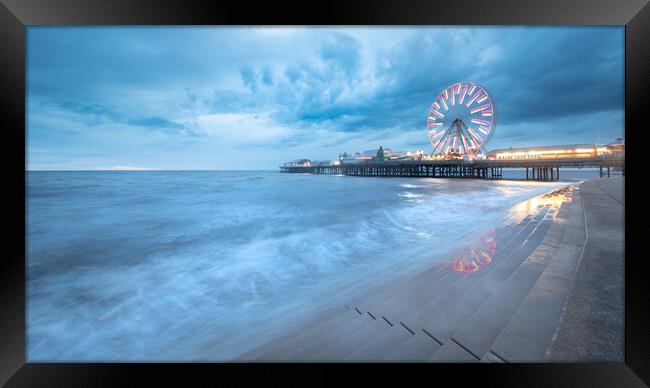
pixel 447 297
pixel 275 349
pixel 491 316
pixel 381 346
pixel 353 342
pixel 481 330
pixel 394 292
pixel 415 298
pixel 424 296
pixel 419 298
pixel 415 292
pixel 279 340
pixel 321 341
pixel 451 351
pixel 520 231
pixel 447 322
pixel 417 348
pixel 490 357
pixel 414 284
pixel 575 225
pixel 530 331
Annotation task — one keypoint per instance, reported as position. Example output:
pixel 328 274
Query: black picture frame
pixel 15 15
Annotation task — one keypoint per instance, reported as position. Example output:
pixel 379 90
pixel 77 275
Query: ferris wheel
pixel 461 120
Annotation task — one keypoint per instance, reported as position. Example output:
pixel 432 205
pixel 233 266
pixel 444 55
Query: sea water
pixel 205 265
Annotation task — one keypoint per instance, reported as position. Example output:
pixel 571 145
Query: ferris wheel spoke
pixel 474 135
pixel 466 148
pixel 443 142
pixel 468 133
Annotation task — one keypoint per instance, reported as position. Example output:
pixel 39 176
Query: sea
pixel 156 266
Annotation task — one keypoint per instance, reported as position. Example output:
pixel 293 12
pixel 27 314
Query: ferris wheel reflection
pixel 478 255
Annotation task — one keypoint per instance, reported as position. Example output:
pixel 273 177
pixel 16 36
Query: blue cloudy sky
pixel 252 98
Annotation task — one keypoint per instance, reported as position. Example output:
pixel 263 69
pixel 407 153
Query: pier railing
pixel 536 169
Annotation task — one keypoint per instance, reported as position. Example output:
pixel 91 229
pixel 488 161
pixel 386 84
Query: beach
pixel 552 291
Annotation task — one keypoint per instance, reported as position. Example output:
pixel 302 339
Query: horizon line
pixel 144 170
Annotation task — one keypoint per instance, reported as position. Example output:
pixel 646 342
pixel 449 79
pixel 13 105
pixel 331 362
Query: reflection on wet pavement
pixel 478 255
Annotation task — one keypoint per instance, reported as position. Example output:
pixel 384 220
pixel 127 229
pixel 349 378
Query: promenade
pixel 553 291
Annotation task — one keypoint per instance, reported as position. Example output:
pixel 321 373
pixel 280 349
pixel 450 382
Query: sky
pixel 210 98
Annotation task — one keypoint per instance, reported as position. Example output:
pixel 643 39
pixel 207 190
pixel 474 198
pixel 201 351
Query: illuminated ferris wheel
pixel 461 120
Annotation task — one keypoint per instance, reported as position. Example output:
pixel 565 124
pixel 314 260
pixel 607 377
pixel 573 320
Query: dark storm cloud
pixel 321 87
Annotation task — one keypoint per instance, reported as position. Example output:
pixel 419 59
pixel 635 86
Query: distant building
pixel 323 163
pixel 380 154
pixel 366 155
pixel 298 163
pixel 617 147
pixel 550 152
pixel 407 155
pixel 375 154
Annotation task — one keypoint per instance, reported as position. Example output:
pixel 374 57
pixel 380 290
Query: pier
pixel 536 169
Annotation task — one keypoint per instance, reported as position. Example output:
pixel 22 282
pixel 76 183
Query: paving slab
pixel 592 326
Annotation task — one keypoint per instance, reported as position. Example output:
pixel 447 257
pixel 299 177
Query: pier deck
pixel 536 169
pixel 553 292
